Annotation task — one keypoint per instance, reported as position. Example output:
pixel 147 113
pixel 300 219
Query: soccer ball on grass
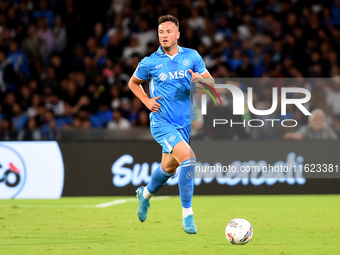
pixel 239 231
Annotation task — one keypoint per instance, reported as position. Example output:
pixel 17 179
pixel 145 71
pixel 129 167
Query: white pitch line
pixel 115 202
pixel 122 201
pixel 103 205
pixel 44 206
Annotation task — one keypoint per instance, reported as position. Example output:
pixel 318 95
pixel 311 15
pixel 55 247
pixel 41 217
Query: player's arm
pixel 137 89
pixel 208 79
pixel 205 78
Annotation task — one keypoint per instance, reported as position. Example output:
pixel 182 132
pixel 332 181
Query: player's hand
pixel 152 104
pixel 195 77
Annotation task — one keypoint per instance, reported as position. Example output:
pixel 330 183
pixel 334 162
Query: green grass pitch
pixel 292 224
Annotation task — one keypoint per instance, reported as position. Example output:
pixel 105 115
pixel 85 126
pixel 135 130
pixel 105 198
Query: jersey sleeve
pixel 199 63
pixel 142 71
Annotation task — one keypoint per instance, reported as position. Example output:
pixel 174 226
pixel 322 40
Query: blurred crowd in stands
pixel 65 64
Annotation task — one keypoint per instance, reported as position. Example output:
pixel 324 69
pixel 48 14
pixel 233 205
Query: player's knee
pixel 170 169
pixel 188 155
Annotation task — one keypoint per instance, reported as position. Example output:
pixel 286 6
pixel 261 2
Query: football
pixel 239 231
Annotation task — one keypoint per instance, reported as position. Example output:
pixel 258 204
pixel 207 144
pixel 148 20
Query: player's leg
pixel 162 131
pixel 169 163
pixel 159 177
pixel 183 154
pixel 161 174
pixel 187 159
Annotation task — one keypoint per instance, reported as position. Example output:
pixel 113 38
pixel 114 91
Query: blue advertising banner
pixel 242 167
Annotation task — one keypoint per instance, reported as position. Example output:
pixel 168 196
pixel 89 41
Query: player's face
pixel 168 35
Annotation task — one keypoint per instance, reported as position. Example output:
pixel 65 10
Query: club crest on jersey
pixel 162 76
pixel 186 62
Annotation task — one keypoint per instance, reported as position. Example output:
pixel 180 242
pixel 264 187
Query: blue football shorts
pixel 166 134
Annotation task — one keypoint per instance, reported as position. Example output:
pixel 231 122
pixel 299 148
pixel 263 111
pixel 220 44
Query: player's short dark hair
pixel 168 17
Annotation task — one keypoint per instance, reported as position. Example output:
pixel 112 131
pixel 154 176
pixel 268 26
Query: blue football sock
pixel 186 182
pixel 158 179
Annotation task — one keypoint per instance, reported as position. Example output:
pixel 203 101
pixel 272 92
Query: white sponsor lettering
pixel 231 175
pixel 173 76
pixel 181 74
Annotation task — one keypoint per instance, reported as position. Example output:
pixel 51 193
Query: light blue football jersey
pixel 170 78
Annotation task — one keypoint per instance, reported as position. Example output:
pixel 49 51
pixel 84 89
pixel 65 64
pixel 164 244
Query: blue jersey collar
pixel 161 52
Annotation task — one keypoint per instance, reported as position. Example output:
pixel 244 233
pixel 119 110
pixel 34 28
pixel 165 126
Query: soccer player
pixel 170 70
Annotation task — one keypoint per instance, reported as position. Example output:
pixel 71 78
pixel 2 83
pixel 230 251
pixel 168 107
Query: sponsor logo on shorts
pixel 172 138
